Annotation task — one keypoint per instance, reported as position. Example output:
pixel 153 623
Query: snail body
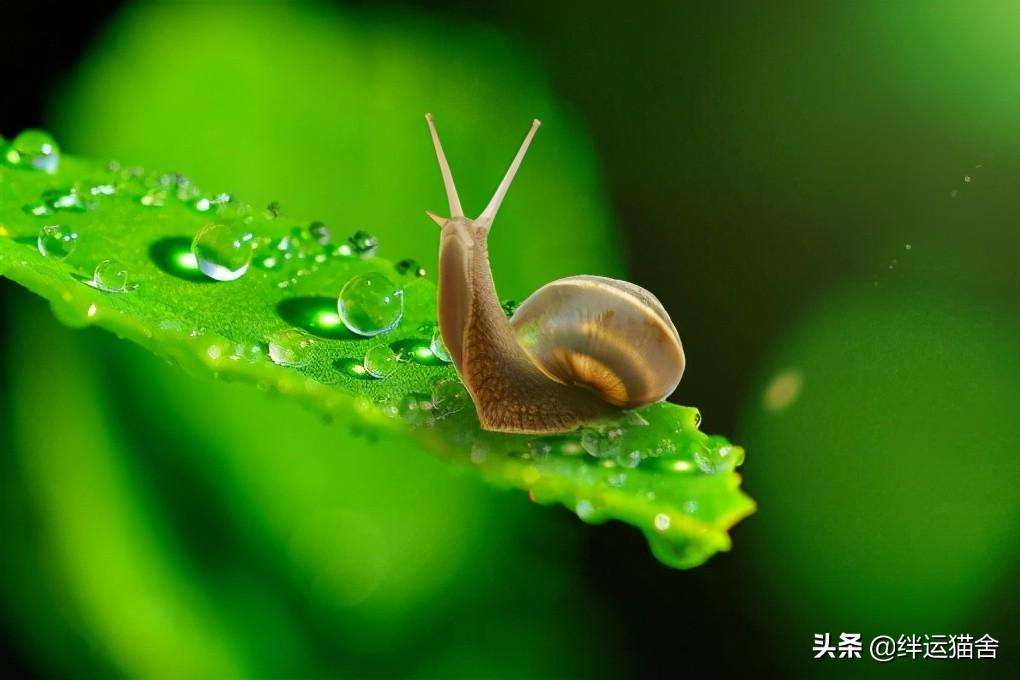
pixel 577 349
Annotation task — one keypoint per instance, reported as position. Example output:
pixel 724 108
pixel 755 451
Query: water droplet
pixel 104 189
pixel 269 263
pixel 370 304
pixel 616 480
pixel 57 240
pixel 584 509
pixel 908 246
pixel 222 251
pixel 409 266
pixel 34 149
pixel 662 521
pixel 154 197
pixel 602 444
pixel 449 396
pixel 110 276
pixel 381 361
pixel 630 459
pixel 363 243
pixel 966 178
pixel 438 347
pixel 634 418
pixel 352 368
pixel 713 460
pixel 54 200
pixel 509 307
pixel 290 347
pixel 416 409
pixel 665 447
pixel 320 233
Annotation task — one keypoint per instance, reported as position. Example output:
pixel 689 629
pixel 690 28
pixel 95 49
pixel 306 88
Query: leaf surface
pixel 278 327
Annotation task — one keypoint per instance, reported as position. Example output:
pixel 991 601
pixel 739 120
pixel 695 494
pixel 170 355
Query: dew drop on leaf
pixel 34 149
pixel 584 508
pixel 449 396
pixel 416 409
pixel 320 233
pixel 290 347
pixel 630 459
pixel 269 263
pixel 408 266
pixel 363 243
pixel 602 444
pixel 352 368
pixel 110 276
pixel 222 251
pixel 715 459
pixel 370 304
pixel 381 361
pixel 438 347
pixel 57 240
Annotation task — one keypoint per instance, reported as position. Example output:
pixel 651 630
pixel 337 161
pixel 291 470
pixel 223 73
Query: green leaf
pixel 277 327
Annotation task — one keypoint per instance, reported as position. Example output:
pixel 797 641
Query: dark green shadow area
pixel 316 315
pixel 173 256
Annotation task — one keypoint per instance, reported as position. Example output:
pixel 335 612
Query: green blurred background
pixel 825 197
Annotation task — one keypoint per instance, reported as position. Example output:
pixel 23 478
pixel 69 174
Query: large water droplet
pixel 111 276
pixel 438 347
pixel 223 251
pixel 381 361
pixel 370 304
pixel 363 243
pixel 290 347
pixel 34 149
pixel 57 240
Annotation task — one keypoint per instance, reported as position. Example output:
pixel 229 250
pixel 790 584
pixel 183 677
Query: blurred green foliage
pixel 911 392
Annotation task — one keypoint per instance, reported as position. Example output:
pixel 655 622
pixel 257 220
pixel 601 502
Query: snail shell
pixel 610 336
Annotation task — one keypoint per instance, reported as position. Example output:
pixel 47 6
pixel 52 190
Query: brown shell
pixel 608 335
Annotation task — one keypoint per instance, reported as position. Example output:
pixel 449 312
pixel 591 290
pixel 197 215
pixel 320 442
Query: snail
pixel 577 349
